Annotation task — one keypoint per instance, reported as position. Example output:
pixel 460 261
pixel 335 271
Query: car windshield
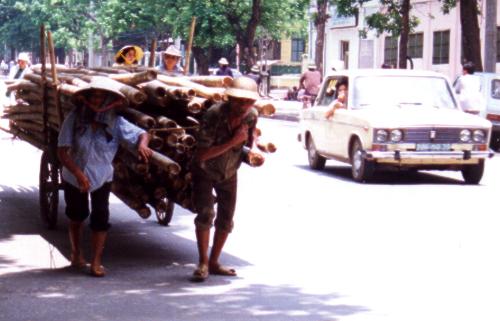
pixel 399 91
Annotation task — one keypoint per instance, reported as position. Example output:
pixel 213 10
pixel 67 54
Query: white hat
pixel 255 68
pixel 23 56
pixel 311 66
pixel 172 51
pixel 223 61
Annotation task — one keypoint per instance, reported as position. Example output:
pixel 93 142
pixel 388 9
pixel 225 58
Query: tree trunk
pixel 202 58
pixel 320 25
pixel 471 44
pixel 490 40
pixel 405 30
pixel 246 39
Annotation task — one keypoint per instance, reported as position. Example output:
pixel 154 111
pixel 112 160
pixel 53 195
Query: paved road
pixel 307 246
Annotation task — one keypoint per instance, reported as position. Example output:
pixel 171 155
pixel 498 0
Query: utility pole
pixel 490 38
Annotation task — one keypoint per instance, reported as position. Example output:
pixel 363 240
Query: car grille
pixel 423 135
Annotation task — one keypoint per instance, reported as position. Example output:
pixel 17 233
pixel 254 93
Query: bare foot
pixel 218 269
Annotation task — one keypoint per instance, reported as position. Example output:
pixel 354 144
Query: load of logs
pixel 169 108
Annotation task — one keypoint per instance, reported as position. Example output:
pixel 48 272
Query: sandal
pixel 201 273
pixel 222 270
pixel 99 272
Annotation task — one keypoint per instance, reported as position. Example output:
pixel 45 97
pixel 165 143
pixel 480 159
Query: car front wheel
pixel 316 161
pixel 362 169
pixel 472 174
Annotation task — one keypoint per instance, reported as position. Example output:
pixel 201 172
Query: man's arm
pixel 69 163
pixel 240 136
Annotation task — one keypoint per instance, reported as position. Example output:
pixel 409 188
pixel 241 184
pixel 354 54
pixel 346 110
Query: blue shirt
pixel 93 150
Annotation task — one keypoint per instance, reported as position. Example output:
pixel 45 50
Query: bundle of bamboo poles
pixel 169 108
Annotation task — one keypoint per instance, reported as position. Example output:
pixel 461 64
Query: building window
pixel 441 47
pixel 344 53
pixel 416 45
pixel 498 44
pixel 391 51
pixel 297 49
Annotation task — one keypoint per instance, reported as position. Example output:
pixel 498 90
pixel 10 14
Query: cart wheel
pixel 49 190
pixel 164 211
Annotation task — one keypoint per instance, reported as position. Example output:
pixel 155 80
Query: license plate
pixel 433 147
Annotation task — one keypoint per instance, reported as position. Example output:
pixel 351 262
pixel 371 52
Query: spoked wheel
pixel 49 190
pixel 164 211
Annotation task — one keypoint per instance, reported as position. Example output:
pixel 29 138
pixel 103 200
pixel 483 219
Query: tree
pixel 319 19
pixel 394 18
pixel 471 40
pixel 490 39
pixel 225 23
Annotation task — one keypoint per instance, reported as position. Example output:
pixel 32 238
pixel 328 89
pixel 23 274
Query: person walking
pixel 22 67
pixel 224 69
pixel 310 81
pixel 87 143
pixel 468 88
pixel 170 62
pixel 224 131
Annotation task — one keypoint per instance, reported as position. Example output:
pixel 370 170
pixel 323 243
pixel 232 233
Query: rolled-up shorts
pixel 204 201
pixel 77 206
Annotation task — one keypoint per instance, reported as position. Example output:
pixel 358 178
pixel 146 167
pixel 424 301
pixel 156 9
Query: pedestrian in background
pixel 22 67
pixel 224 69
pixel 310 81
pixel 468 88
pixel 128 56
pixel 224 131
pixel 170 62
pixel 87 143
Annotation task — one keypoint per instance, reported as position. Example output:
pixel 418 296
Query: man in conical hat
pixel 225 129
pixel 87 143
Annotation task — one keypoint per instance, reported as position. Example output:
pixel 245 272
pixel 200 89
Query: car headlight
pixel 396 135
pixel 465 135
pixel 478 136
pixel 381 136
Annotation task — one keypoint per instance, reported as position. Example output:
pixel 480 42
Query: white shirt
pixel 468 88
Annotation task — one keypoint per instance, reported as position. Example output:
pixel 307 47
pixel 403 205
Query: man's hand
pixel 83 182
pixel 144 153
pixel 240 135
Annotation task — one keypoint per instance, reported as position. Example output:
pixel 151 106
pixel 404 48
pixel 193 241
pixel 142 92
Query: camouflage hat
pixel 243 87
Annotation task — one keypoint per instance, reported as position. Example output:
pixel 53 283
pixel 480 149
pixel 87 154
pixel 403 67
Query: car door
pixel 317 112
pixel 336 127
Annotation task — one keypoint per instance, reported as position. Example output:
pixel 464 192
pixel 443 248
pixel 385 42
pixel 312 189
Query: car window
pixel 329 94
pixel 495 88
pixel 390 91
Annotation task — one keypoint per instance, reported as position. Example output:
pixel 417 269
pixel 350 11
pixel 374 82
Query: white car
pixel 395 118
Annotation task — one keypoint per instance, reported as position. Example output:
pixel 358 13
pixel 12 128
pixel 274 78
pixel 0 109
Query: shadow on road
pixel 343 172
pixel 149 270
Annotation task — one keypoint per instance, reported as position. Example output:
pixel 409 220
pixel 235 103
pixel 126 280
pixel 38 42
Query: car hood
pixel 414 116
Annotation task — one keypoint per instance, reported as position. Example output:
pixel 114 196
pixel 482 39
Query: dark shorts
pixel 77 206
pixel 204 201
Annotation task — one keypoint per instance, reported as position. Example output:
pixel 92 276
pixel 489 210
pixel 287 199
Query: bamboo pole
pixel 212 81
pixel 55 81
pixel 133 79
pixel 190 45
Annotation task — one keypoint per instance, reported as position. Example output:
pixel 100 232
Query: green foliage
pixel 71 21
pixel 388 19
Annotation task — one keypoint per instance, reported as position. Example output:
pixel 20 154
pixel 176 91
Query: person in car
pixel 341 89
